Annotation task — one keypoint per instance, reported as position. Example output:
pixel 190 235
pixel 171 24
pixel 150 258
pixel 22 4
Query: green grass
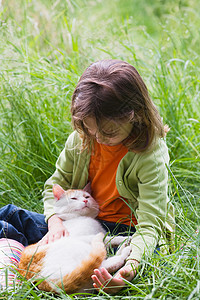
pixel 44 48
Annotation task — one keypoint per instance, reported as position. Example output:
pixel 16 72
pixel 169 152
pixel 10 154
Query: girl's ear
pixel 58 191
pixel 87 188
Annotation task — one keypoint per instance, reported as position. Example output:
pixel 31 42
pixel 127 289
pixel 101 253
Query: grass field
pixel 44 47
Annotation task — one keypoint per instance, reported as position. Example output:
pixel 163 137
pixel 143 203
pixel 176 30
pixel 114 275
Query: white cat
pixel 69 262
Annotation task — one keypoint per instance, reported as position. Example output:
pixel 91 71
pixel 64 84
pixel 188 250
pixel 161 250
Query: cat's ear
pixel 58 191
pixel 87 188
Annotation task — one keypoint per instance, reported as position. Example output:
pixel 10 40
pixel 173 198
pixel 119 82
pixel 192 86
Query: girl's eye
pixel 112 133
pixel 73 198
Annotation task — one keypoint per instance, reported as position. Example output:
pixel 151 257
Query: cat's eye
pixel 73 198
pixel 86 197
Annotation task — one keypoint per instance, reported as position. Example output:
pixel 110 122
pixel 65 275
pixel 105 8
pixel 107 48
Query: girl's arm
pixel 61 176
pixel 71 172
pixel 56 230
pixel 152 211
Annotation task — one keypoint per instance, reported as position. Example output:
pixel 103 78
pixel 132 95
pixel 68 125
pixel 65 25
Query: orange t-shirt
pixel 102 173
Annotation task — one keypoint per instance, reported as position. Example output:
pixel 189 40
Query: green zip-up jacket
pixel 142 178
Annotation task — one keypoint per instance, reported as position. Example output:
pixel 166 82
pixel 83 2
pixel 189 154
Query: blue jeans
pixel 21 225
pixel 28 227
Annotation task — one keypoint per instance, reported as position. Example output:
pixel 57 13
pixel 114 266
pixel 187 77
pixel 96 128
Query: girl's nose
pixel 99 137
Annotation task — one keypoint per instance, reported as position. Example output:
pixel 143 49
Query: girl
pixel 118 147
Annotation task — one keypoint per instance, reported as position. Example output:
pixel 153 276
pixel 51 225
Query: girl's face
pixel 111 134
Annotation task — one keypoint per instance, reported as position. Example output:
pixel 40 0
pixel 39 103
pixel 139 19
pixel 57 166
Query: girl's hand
pixel 56 230
pixel 113 284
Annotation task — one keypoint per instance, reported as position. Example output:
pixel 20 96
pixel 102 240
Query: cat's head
pixel 74 203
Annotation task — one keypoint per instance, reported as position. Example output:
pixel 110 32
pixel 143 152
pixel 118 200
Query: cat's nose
pixel 85 201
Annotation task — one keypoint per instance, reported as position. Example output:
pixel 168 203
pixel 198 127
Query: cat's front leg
pixel 114 263
pixel 117 240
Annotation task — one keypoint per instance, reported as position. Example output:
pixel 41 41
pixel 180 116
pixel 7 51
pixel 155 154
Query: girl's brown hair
pixel 114 90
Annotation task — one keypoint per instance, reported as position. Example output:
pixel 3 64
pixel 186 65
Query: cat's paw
pixel 124 248
pixel 98 237
pixel 125 252
pixel 128 241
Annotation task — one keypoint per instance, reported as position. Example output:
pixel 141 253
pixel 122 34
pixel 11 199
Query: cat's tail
pixel 80 277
